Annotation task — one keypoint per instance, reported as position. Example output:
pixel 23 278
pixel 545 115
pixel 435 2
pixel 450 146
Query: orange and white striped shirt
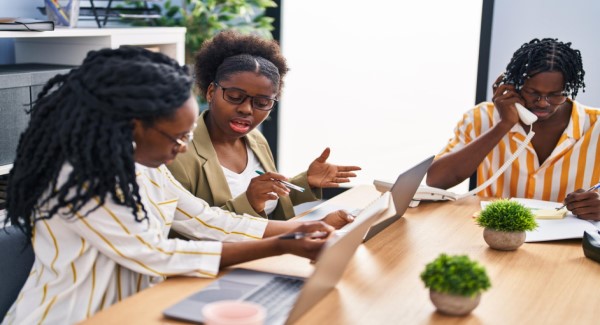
pixel 572 165
pixel 85 264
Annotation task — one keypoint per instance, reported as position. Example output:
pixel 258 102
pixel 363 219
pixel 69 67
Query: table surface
pixel 539 283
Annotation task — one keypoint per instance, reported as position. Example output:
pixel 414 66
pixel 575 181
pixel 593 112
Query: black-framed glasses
pixel 553 99
pixel 180 142
pixel 238 96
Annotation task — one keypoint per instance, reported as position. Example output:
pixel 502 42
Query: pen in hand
pixel 287 184
pixel 300 235
pixel 595 187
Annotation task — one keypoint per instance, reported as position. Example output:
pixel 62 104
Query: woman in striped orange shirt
pixel 563 157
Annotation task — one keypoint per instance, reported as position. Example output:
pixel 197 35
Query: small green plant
pixel 506 215
pixel 456 275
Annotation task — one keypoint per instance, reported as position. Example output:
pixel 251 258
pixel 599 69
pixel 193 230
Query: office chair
pixel 16 254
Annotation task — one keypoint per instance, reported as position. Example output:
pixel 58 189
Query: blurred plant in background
pixel 205 18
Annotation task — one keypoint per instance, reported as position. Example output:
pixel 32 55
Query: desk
pixel 540 283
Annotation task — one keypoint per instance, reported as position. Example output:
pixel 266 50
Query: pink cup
pixel 234 312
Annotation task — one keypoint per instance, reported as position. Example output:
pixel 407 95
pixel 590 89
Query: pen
pixel 595 187
pixel 287 184
pixel 300 235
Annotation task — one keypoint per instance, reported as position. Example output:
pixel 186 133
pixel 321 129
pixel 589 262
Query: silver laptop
pixel 286 298
pixel 402 190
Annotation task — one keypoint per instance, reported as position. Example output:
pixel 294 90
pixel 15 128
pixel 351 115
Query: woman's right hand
pixel 504 98
pixel 265 187
pixel 306 247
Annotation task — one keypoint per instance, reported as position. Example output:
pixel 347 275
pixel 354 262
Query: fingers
pixel 324 155
pixel 348 169
pixel 584 204
pixel 338 219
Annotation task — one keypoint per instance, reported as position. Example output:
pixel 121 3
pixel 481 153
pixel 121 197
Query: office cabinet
pixel 19 86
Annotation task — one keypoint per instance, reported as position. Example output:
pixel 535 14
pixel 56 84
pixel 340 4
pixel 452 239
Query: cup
pixel 234 312
pixel 63 12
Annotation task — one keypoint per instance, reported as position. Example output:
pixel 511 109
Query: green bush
pixel 506 215
pixel 205 18
pixel 457 275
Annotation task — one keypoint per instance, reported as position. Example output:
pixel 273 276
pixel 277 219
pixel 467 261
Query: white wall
pixel 576 21
pixel 381 82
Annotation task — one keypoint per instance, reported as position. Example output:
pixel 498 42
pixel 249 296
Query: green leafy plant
pixel 205 18
pixel 506 215
pixel 455 274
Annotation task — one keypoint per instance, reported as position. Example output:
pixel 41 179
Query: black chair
pixel 16 254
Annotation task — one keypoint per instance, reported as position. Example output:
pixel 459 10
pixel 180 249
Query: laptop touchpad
pixel 224 290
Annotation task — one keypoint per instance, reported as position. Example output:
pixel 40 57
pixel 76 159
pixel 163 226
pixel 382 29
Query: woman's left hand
pixel 323 174
pixel 584 204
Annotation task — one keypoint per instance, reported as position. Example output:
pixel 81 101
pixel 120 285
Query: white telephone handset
pixel 436 194
pixel 525 115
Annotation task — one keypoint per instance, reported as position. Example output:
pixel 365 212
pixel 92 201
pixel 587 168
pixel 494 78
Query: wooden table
pixel 540 283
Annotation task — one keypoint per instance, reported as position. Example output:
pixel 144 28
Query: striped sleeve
pixel 194 218
pixel 142 246
pixel 468 128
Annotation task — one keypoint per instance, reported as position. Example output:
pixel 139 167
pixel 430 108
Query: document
pixel 543 209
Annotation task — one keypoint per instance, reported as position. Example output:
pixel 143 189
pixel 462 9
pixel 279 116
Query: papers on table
pixel 568 227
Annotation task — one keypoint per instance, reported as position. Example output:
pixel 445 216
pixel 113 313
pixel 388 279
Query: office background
pixel 384 84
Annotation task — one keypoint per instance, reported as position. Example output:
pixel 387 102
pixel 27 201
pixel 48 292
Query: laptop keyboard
pixel 276 296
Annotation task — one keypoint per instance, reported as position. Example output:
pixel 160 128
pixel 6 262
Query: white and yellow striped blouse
pixel 574 163
pixel 85 264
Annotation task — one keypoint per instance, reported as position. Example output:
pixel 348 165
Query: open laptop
pixel 286 298
pixel 402 191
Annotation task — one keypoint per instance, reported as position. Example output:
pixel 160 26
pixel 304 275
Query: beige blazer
pixel 200 172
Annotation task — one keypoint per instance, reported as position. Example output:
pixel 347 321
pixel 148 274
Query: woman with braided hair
pixel 90 189
pixel 563 157
pixel 241 77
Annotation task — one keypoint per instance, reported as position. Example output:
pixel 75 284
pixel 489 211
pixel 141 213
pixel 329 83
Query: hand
pixel 263 188
pixel 306 247
pixel 322 174
pixel 504 98
pixel 584 204
pixel 338 219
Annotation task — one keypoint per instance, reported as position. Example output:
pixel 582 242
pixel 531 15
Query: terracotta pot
pixel 504 240
pixel 453 304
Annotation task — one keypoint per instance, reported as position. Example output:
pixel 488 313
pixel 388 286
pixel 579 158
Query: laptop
pixel 402 191
pixel 286 298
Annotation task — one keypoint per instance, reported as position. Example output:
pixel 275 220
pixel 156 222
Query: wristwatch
pixel 591 245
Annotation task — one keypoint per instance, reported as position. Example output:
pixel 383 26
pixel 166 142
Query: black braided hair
pixel 546 55
pixel 230 52
pixel 85 118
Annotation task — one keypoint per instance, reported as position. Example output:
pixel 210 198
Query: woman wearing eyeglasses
pixel 563 159
pixel 241 77
pixel 90 188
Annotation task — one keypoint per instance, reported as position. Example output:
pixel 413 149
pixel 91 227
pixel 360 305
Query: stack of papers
pixel 554 225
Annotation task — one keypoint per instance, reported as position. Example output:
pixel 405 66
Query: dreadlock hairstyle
pixel 230 52
pixel 84 118
pixel 546 55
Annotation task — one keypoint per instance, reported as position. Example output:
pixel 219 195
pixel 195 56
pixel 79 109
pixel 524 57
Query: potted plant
pixel 505 223
pixel 455 283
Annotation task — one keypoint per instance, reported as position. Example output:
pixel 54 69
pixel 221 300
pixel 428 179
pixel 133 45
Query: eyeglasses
pixel 180 142
pixel 555 99
pixel 238 96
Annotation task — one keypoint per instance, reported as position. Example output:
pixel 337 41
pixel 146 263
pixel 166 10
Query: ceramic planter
pixel 453 304
pixel 503 240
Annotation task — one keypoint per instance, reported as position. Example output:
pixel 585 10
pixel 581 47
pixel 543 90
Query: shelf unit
pixel 69 46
